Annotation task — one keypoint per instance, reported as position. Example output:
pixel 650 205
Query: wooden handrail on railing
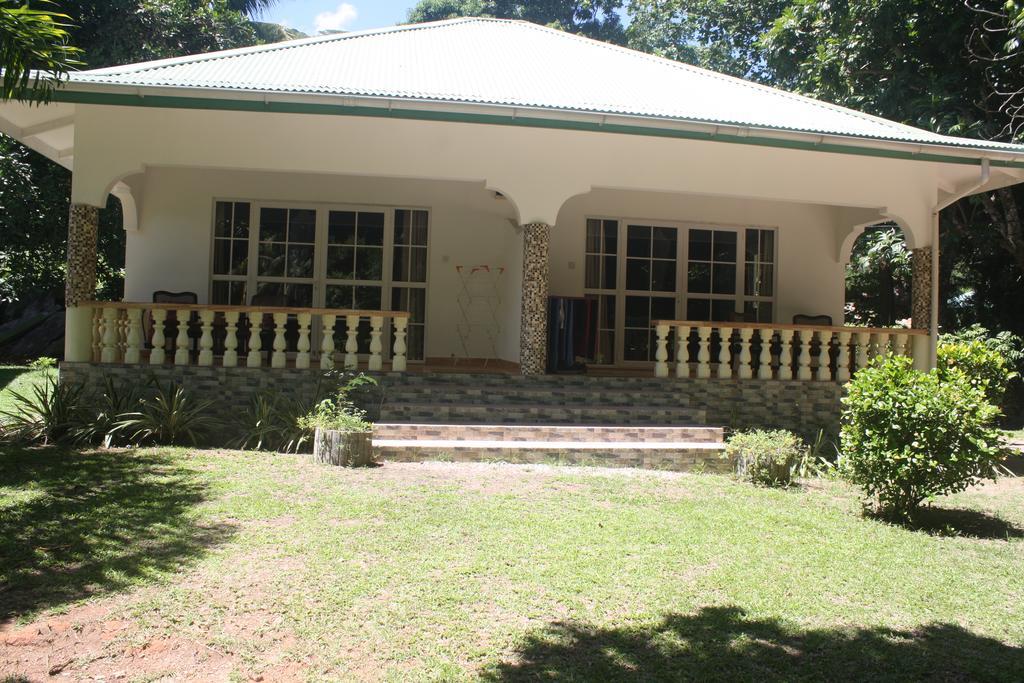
pixel 779 351
pixel 118 334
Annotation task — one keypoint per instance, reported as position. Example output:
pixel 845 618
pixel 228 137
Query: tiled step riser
pixel 540 415
pixel 568 434
pixel 681 461
pixel 534 397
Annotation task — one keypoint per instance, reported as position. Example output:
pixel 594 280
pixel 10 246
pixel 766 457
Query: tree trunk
pixel 348 449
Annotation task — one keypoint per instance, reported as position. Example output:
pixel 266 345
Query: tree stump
pixel 348 449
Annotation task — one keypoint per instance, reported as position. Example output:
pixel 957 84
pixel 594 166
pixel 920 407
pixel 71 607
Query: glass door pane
pixel 651 268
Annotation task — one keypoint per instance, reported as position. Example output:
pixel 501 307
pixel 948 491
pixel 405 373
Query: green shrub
pixel 52 412
pixel 984 366
pixel 170 418
pixel 272 423
pixel 107 409
pixel 908 436
pixel 766 457
pixel 43 363
pixel 340 413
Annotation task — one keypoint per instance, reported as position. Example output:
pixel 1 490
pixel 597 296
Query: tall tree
pixel 597 19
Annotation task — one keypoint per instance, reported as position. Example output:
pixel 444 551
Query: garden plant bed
pixel 222 565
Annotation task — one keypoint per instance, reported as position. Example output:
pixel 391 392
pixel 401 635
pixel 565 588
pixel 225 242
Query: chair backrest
pixel 162 296
pixel 271 299
pixel 802 319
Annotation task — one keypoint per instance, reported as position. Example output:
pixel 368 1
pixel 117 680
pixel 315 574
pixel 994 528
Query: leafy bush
pixel 339 413
pixel 984 366
pixel 908 436
pixel 52 412
pixel 109 408
pixel 169 418
pixel 766 457
pixel 1011 348
pixel 43 363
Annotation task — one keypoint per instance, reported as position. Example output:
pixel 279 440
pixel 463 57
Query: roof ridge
pixel 735 79
pixel 138 67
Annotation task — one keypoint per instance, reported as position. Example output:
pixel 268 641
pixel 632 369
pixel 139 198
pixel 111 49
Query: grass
pixel 256 564
pixel 20 378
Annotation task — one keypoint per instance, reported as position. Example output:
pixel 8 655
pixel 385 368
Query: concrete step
pixel 531 414
pixel 666 456
pixel 564 434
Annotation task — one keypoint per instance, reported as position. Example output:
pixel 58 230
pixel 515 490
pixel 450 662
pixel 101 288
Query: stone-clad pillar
pixel 533 331
pixel 921 288
pixel 80 281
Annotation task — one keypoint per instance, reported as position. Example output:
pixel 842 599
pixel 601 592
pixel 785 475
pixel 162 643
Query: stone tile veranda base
pixel 921 288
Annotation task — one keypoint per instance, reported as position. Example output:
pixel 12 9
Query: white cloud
pixel 338 19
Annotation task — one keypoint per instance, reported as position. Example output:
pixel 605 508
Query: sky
pixel 313 16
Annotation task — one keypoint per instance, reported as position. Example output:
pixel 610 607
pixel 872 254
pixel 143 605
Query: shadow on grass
pixel 76 524
pixel 9 373
pixel 721 643
pixel 941 521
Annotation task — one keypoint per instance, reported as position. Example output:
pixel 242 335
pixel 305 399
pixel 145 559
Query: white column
pixel 230 358
pixel 302 345
pixel 745 369
pixel 843 359
pixel 703 352
pixel 922 350
pixel 803 358
pixel 351 342
pixel 206 338
pixel 661 351
pixel 133 346
pixel 158 354
pixel 724 352
pixel 764 359
pixel 255 357
pixel 108 353
pixel 376 328
pixel 398 360
pixel 327 342
pixel 278 359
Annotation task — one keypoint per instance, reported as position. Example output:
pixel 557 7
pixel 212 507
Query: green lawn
pixel 225 565
pixel 20 378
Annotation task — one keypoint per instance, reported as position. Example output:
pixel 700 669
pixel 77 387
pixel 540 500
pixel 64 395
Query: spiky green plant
pixel 52 412
pixel 172 417
pixel 111 405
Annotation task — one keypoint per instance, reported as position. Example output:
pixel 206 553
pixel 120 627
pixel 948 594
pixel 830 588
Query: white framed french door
pixel 641 270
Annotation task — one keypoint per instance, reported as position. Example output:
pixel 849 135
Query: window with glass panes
pixel 711 274
pixel 652 253
pixel 331 257
pixel 409 267
pixel 759 275
pixel 230 252
pixel 601 284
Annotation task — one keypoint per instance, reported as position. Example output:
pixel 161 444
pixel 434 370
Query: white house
pixel 439 181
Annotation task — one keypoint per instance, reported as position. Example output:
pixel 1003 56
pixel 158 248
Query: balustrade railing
pixel 702 349
pixel 249 336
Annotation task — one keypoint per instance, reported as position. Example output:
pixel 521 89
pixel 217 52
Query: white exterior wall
pixel 468 226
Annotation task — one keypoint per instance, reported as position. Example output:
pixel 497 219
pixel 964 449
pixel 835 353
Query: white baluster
pixel 230 358
pixel 683 351
pixel 302 345
pixel 327 342
pixel 376 327
pixel 398 359
pixel 206 337
pixel 97 333
pixel 764 358
pixel 745 370
pixel 108 352
pixel 351 342
pixel 133 339
pixel 843 358
pixel 803 359
pixel 661 351
pixel 825 356
pixel 900 347
pixel 181 340
pixel 786 354
pixel 254 319
pixel 724 352
pixel 703 352
pixel 883 344
pixel 278 359
pixel 861 341
pixel 122 334
pixel 158 354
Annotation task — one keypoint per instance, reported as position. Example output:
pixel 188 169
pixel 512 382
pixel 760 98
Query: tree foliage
pixel 597 19
pixel 878 278
pixel 35 52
